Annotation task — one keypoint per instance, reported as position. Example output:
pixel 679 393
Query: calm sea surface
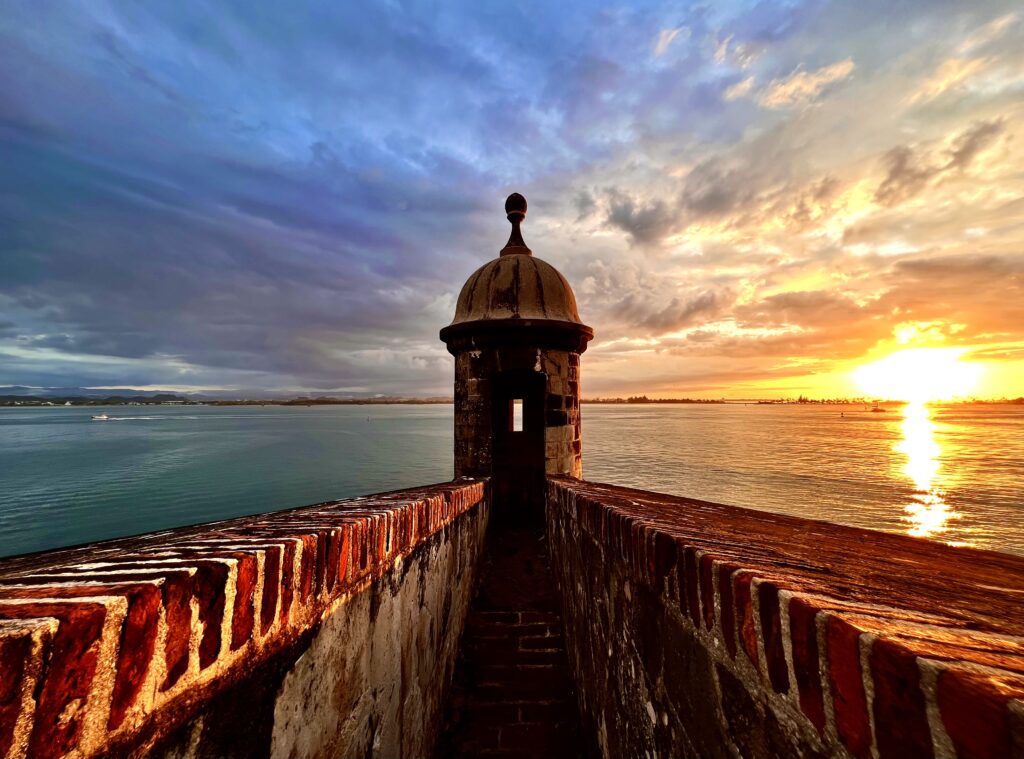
pixel 952 473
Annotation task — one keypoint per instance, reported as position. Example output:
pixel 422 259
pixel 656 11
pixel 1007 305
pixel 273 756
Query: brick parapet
pixel 99 641
pixel 701 629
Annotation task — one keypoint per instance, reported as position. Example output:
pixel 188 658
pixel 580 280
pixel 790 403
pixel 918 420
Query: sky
pixel 750 199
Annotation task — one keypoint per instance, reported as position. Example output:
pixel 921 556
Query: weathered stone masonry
pixel 562 437
pixel 330 630
pixel 696 629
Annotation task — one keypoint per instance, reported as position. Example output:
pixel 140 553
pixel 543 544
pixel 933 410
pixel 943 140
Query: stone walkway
pixel 513 695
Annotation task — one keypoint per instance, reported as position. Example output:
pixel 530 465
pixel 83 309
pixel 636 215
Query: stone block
pixel 900 711
pixel 727 606
pixel 846 682
pixel 707 589
pixel 803 626
pixel 975 716
pixel 771 633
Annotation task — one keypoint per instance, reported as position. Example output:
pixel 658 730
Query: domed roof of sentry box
pixel 516 299
pixel 516 284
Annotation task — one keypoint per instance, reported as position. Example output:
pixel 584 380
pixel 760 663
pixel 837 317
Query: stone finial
pixel 515 208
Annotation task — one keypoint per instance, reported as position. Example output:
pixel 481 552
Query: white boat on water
pixel 101 418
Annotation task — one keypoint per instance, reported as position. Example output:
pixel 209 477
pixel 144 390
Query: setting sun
pixel 919 375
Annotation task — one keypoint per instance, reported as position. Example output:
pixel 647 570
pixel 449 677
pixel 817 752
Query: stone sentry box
pixel 517 337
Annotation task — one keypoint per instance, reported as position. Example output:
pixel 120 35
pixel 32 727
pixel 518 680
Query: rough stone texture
pixel 701 630
pixel 519 286
pixel 513 696
pixel 474 370
pixel 250 637
pixel 563 439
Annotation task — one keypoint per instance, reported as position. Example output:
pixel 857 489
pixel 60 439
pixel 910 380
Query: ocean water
pixel 952 473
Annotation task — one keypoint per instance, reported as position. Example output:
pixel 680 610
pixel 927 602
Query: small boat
pixel 101 418
pixel 876 409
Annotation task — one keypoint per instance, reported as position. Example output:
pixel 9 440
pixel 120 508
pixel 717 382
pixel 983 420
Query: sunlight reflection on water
pixel 928 514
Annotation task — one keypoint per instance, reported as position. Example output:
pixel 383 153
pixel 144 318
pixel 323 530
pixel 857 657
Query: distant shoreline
pixel 9 401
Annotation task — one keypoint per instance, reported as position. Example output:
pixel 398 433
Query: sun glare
pixel 928 513
pixel 919 375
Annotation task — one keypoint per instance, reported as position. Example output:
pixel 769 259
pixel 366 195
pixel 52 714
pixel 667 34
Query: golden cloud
pixel 803 86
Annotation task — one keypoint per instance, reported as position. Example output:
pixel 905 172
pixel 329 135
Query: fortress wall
pixel 701 630
pixel 328 630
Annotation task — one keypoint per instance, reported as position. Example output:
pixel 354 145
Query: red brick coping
pixel 95 640
pixel 889 645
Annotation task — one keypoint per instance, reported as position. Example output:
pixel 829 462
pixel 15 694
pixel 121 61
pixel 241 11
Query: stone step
pixel 513 695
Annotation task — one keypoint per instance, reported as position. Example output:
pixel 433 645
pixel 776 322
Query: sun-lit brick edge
pixel 800 635
pixel 95 640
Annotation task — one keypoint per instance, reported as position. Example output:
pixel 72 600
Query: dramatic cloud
pixel 749 198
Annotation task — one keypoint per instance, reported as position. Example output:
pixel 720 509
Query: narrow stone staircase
pixel 513 695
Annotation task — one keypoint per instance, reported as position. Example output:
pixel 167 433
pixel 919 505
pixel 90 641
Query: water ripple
pixel 65 479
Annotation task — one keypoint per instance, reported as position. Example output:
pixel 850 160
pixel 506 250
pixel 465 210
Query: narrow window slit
pixel 516 415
